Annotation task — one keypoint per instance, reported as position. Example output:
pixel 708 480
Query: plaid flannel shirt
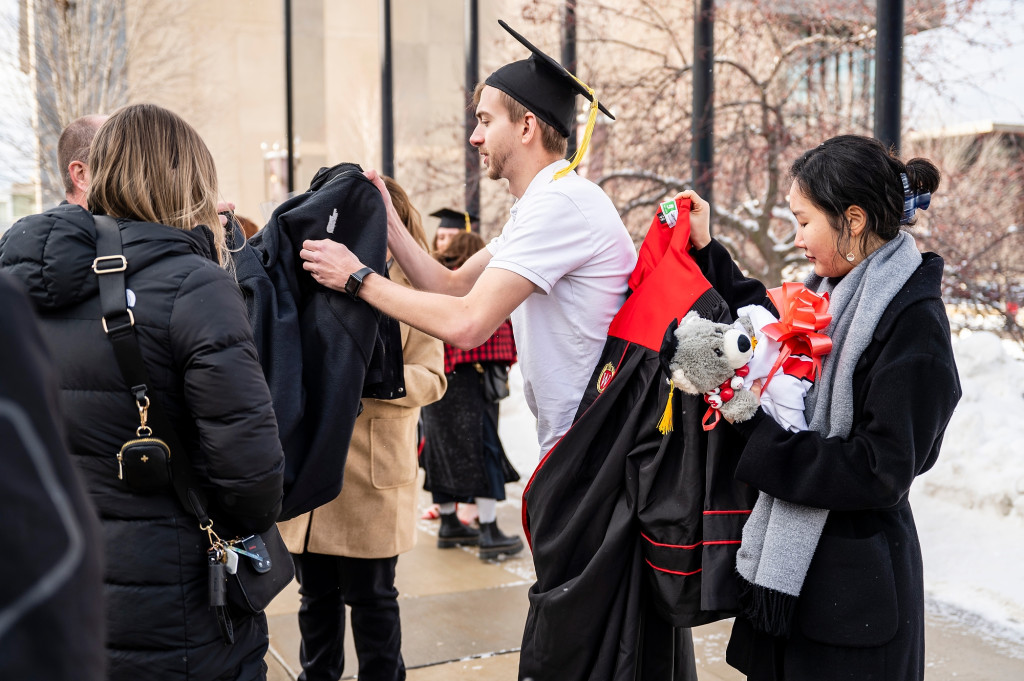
pixel 500 347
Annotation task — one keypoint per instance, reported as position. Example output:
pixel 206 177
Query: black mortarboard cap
pixel 543 86
pixel 454 219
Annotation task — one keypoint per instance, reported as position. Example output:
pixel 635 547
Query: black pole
pixel 387 117
pixel 289 115
pixel 472 156
pixel 569 58
pixel 889 72
pixel 702 164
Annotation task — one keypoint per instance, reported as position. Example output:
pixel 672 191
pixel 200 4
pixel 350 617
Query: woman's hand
pixel 396 229
pixel 224 207
pixel 329 262
pixel 755 388
pixel 700 218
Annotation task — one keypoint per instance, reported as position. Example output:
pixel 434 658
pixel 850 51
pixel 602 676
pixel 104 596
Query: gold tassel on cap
pixel 468 224
pixel 665 424
pixel 591 120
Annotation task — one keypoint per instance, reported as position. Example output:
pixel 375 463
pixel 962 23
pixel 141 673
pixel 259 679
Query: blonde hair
pixel 551 139
pixel 407 212
pixel 148 164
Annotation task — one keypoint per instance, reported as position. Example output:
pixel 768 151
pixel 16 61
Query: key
pixel 257 551
pixel 236 550
pixel 231 560
pixel 218 580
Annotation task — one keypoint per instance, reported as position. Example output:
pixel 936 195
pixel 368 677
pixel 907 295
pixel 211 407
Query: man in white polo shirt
pixel 565 237
pixel 559 267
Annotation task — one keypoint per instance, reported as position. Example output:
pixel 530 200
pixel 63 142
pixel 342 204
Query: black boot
pixel 453 533
pixel 494 542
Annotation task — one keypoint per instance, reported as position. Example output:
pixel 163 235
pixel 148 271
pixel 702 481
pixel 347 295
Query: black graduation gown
pixel 634 533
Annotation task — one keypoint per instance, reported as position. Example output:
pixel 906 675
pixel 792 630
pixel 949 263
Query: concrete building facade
pixel 221 65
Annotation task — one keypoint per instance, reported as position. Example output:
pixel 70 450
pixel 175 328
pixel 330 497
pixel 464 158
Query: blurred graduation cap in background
pixel 454 219
pixel 548 90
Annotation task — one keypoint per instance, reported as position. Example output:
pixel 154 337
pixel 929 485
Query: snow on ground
pixel 982 465
pixel 969 508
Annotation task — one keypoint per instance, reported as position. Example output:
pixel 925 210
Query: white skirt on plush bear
pixel 784 398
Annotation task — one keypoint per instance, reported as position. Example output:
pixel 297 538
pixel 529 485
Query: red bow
pixel 802 314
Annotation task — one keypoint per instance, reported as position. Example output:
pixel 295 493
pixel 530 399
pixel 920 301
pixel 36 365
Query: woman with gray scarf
pixel 830 560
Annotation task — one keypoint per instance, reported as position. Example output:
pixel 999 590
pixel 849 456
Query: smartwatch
pixel 355 281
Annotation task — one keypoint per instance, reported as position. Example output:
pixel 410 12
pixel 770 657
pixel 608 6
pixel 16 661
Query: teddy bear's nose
pixel 743 343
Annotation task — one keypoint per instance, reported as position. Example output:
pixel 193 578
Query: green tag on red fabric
pixel 671 213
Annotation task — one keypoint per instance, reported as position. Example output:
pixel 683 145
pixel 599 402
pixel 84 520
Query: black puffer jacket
pixel 197 344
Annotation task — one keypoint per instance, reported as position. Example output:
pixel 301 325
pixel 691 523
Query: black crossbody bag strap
pixel 119 323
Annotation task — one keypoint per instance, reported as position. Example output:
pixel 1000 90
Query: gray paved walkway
pixel 462 619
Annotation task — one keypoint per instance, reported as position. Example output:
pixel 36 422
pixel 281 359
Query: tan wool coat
pixel 375 514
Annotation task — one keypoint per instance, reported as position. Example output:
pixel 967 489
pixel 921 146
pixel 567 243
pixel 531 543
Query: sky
pixel 980 62
pixel 969 508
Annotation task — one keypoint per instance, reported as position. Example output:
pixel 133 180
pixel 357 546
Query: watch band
pixel 355 281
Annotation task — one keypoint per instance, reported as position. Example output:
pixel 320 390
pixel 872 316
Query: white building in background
pixel 16 201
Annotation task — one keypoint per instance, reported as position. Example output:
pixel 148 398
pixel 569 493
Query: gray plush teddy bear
pixel 706 359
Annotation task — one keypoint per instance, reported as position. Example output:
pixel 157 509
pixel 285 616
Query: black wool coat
pixel 52 574
pixel 860 614
pixel 198 349
pixel 320 349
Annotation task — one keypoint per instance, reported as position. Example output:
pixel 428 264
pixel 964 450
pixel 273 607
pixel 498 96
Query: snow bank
pixel 981 466
pixel 970 507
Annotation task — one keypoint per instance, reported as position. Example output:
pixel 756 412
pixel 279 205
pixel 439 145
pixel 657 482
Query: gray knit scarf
pixel 779 538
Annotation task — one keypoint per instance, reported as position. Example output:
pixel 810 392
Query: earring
pixel 849 256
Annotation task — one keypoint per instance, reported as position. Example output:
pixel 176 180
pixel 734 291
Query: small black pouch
pixel 145 465
pixel 264 570
pixel 494 378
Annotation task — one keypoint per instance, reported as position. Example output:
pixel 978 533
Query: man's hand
pixel 700 219
pixel 329 262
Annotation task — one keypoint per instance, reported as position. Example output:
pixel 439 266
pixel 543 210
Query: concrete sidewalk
pixel 462 619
